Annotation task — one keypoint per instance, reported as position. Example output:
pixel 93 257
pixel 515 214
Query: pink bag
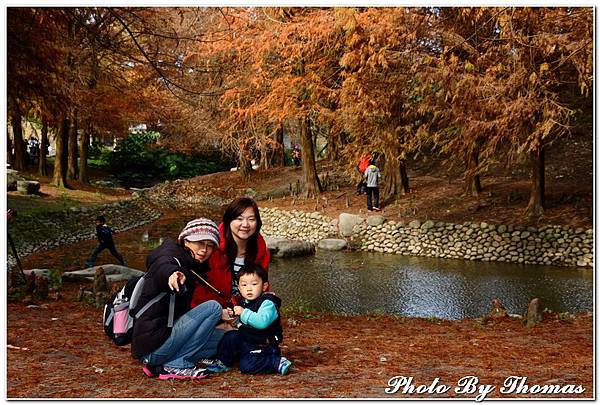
pixel 120 319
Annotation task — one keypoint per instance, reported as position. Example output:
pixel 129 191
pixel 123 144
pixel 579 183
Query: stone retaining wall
pixel 47 230
pixel 548 245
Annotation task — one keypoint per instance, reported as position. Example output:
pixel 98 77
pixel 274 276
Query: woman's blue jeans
pixel 193 337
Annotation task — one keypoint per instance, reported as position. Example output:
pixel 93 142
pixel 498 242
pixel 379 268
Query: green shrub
pixel 136 160
pixel 287 157
pixel 96 150
pixel 55 279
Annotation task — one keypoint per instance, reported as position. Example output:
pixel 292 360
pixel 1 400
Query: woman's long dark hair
pixel 234 210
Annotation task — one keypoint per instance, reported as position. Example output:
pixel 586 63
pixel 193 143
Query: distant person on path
pixel 104 235
pixel 360 168
pixel 256 342
pixel 372 176
pixel 34 150
pixel 296 155
pixel 241 244
pixel 170 350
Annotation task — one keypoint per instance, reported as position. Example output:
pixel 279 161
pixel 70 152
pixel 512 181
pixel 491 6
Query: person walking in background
pixel 296 155
pixel 33 147
pixel 372 176
pixel 104 234
pixel 360 168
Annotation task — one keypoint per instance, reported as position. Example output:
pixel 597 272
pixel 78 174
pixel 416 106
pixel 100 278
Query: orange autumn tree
pixel 35 68
pixel 306 81
pixel 460 98
pixel 283 70
pixel 382 47
pixel 230 55
pixel 552 54
pixel 95 64
pixel 181 90
pixel 506 85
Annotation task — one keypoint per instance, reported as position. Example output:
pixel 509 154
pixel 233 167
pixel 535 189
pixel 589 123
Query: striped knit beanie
pixel 200 229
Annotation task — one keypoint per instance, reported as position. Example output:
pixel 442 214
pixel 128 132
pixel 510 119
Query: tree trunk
pixel 473 182
pixel 83 154
pixel 312 186
pixel 72 148
pixel 535 207
pixel 60 171
pixel 404 177
pixel 396 176
pixel 20 159
pixel 244 162
pixel 43 170
pixel 264 161
pixel 278 150
pixel 333 146
pixel 9 155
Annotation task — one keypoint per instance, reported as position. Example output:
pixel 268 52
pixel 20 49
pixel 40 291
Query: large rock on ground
pixel 273 242
pixel 534 313
pixel 332 244
pixel 12 176
pixel 114 272
pixel 375 220
pixel 291 248
pixel 415 224
pixel 347 223
pixel 28 187
pixel 37 272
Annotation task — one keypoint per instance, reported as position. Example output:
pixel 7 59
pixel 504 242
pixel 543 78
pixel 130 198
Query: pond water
pixel 356 283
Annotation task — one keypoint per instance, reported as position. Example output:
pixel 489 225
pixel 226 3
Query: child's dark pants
pixel 101 246
pixel 372 194
pixel 254 359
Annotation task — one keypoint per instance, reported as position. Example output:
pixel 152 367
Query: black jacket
pixel 104 234
pixel 150 331
pixel 273 333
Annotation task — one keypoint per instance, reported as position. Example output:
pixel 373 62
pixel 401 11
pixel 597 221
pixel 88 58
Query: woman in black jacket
pixel 170 336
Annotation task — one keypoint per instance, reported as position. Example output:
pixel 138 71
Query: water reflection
pixel 359 282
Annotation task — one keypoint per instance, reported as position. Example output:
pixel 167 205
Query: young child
pixel 104 235
pixel 256 342
pixel 372 175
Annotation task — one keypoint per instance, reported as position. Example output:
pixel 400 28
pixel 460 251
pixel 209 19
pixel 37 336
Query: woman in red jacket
pixel 241 243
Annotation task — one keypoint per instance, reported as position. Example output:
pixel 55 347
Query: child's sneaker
pixel 284 366
pixel 217 366
pixel 208 362
pixel 182 373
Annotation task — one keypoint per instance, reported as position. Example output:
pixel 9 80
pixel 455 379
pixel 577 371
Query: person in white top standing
pixel 372 176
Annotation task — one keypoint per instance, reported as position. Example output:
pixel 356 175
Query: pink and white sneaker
pixel 170 373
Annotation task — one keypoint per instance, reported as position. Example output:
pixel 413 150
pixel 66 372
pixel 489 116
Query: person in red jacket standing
pixel 241 243
pixel 362 165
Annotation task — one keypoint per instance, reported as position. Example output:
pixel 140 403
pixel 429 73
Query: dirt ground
pixel 57 349
pixel 436 192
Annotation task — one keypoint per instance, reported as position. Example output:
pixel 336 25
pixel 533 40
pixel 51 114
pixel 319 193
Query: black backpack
pixel 121 307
